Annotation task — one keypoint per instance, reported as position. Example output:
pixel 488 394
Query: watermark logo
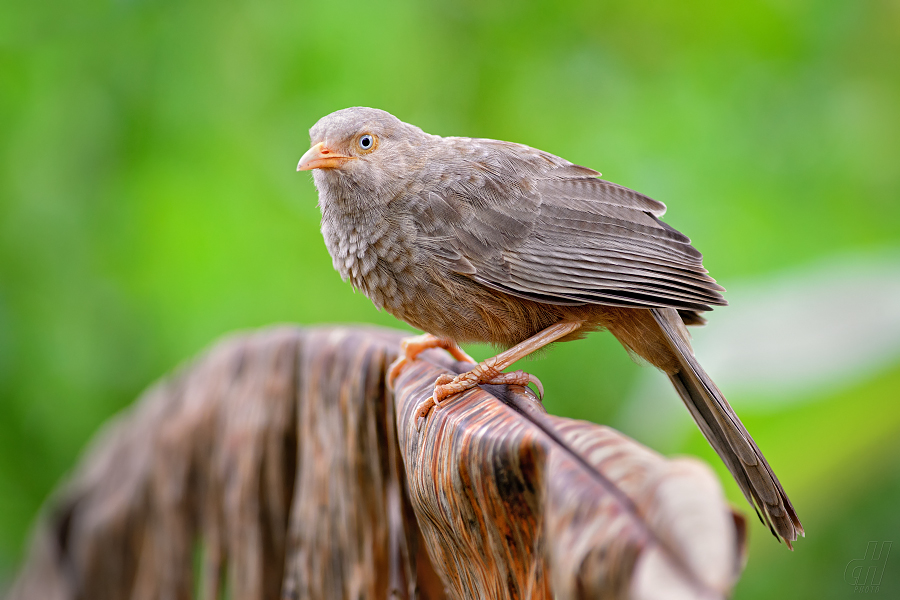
pixel 865 573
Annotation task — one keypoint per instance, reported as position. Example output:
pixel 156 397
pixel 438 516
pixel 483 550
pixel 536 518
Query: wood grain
pixel 277 465
pixel 515 503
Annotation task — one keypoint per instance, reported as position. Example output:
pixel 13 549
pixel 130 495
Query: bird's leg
pixel 490 371
pixel 411 347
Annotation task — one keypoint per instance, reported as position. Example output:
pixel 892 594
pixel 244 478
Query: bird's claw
pixel 434 401
pixel 446 386
pixel 537 383
pixel 518 378
pixel 411 347
pixel 394 370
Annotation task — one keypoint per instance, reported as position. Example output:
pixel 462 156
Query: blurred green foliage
pixel 149 204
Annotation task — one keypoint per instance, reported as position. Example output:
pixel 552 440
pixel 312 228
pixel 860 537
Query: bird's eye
pixel 366 142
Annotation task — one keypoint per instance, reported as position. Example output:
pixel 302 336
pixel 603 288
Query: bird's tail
pixel 726 434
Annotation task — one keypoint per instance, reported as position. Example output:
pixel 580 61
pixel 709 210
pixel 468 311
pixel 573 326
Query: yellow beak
pixel 320 157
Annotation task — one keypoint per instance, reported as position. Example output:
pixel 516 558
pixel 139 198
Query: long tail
pixel 727 435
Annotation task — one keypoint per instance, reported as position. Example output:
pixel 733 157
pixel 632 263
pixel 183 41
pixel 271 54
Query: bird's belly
pixel 454 306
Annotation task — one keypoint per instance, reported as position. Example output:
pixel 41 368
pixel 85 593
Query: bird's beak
pixel 320 157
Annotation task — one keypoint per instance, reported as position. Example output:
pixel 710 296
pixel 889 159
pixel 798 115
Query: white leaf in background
pixel 794 336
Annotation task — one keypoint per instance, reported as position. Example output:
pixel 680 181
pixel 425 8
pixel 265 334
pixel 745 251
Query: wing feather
pixel 535 226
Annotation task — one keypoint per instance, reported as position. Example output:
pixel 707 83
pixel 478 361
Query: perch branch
pixel 278 465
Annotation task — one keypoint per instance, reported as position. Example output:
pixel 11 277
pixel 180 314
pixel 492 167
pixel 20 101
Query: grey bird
pixel 479 240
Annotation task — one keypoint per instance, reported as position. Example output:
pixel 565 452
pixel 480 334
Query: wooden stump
pixel 279 465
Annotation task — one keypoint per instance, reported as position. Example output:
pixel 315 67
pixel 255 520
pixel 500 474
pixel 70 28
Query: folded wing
pixel 537 227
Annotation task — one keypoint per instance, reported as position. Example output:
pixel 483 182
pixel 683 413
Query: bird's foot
pixel 491 370
pixel 483 373
pixel 411 347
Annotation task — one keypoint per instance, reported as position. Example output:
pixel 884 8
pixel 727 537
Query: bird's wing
pixel 537 227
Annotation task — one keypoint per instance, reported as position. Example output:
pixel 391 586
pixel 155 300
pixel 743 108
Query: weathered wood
pixel 208 465
pixel 351 535
pixel 277 466
pixel 515 503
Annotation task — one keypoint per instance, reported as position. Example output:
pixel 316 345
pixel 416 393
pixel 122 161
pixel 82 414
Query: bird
pixel 481 240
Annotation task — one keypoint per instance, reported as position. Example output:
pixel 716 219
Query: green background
pixel 149 204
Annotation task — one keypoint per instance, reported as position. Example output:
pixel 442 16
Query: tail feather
pixel 727 435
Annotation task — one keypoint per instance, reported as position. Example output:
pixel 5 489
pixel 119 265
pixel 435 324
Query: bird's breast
pixel 374 254
pixel 383 256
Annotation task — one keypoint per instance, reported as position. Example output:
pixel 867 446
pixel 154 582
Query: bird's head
pixel 362 150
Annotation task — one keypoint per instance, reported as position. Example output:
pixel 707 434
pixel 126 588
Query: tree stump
pixel 279 465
